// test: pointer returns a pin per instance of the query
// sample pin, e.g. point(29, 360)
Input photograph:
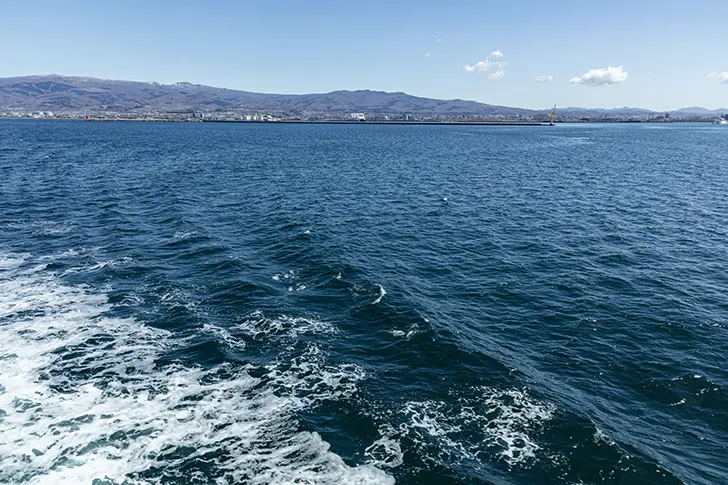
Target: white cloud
point(601, 77)
point(544, 79)
point(485, 65)
point(427, 54)
point(494, 68)
point(722, 77)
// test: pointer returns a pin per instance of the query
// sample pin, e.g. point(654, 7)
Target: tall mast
point(553, 115)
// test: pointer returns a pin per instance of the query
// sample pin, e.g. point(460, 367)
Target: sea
point(211, 303)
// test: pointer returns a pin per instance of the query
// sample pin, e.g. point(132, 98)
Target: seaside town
point(242, 115)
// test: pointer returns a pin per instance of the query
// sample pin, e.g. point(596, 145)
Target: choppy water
point(267, 304)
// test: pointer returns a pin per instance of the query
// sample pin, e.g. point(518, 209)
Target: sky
point(654, 54)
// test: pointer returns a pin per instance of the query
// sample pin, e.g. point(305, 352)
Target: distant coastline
point(188, 119)
point(74, 97)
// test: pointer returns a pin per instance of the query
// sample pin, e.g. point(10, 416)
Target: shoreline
point(345, 122)
point(348, 122)
point(287, 122)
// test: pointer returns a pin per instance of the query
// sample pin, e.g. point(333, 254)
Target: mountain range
point(73, 94)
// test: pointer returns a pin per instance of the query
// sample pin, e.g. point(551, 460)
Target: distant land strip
point(55, 96)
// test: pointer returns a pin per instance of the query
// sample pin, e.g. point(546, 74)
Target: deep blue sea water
point(361, 304)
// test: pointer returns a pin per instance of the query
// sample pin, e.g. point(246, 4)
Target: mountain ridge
point(53, 92)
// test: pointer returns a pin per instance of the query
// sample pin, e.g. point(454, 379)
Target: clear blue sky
point(666, 47)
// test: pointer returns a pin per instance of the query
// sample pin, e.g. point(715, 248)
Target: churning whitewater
point(84, 398)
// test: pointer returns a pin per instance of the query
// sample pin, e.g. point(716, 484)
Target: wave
point(382, 292)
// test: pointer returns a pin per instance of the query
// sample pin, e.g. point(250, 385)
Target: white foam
point(385, 452)
point(224, 335)
point(382, 292)
point(182, 297)
point(41, 228)
point(601, 437)
point(289, 275)
point(413, 330)
point(52, 228)
point(356, 290)
point(184, 234)
point(259, 326)
point(111, 263)
point(85, 399)
point(499, 422)
point(433, 418)
point(512, 415)
point(69, 253)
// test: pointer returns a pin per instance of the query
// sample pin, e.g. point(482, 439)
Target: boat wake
point(84, 397)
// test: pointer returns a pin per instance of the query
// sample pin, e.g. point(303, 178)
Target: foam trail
point(82, 398)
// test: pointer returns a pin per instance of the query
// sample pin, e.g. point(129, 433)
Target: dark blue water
point(272, 304)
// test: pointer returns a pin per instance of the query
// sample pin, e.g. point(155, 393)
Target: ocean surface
point(360, 304)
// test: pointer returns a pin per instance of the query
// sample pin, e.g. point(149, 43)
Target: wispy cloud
point(427, 54)
point(722, 77)
point(492, 65)
point(441, 41)
point(544, 79)
point(601, 77)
